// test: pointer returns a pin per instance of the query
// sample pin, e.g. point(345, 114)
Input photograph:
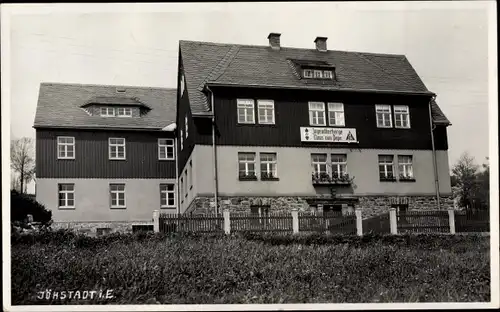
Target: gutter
point(214, 149)
point(434, 161)
point(177, 176)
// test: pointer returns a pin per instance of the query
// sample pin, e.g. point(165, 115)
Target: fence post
point(394, 221)
point(359, 221)
point(295, 220)
point(156, 221)
point(451, 215)
point(227, 221)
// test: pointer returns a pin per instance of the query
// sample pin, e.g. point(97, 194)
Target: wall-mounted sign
point(335, 135)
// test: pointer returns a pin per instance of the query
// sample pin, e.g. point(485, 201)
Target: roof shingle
point(60, 105)
point(249, 65)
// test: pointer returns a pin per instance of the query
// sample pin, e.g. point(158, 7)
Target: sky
point(133, 44)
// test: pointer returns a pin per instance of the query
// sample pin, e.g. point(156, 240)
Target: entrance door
point(329, 209)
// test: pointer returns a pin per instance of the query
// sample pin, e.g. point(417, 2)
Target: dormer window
point(124, 112)
point(308, 73)
point(327, 74)
point(107, 111)
point(318, 74)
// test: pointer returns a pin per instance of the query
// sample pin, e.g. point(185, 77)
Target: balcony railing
point(327, 179)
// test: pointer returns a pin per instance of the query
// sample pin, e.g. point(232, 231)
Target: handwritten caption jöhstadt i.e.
point(50, 294)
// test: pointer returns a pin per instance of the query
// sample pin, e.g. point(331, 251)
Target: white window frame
point(317, 113)
point(117, 147)
point(339, 166)
point(245, 105)
point(114, 194)
point(318, 74)
point(186, 125)
point(405, 166)
point(316, 164)
point(384, 110)
point(66, 146)
point(308, 73)
point(270, 164)
point(403, 111)
point(247, 158)
point(336, 112)
point(182, 83)
point(167, 194)
point(165, 144)
point(107, 109)
point(386, 165)
point(267, 106)
point(65, 192)
point(328, 74)
point(182, 140)
point(124, 111)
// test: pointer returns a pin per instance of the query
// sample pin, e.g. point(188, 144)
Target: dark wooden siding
point(184, 108)
point(92, 159)
point(291, 113)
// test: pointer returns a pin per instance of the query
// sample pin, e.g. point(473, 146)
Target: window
point(401, 116)
point(107, 112)
point(124, 112)
point(384, 119)
point(405, 167)
point(308, 73)
point(339, 165)
point(386, 167)
point(66, 196)
point(182, 84)
point(246, 165)
point(246, 113)
point(167, 195)
point(327, 74)
point(186, 190)
point(182, 189)
point(65, 147)
point(165, 149)
point(182, 139)
point(266, 111)
point(187, 126)
point(117, 194)
point(117, 148)
point(190, 174)
point(319, 164)
point(268, 166)
point(318, 74)
point(336, 114)
point(317, 114)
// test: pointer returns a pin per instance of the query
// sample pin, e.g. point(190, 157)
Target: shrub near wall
point(21, 205)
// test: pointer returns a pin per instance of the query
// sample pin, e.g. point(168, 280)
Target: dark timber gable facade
point(271, 127)
point(105, 155)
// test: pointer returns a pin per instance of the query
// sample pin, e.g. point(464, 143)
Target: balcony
point(327, 179)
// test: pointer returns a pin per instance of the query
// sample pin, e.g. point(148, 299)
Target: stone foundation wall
point(370, 205)
point(91, 227)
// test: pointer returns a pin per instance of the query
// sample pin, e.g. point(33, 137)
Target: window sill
point(269, 179)
point(167, 207)
point(388, 180)
point(166, 159)
point(119, 208)
point(117, 159)
point(386, 127)
point(247, 178)
point(407, 180)
point(66, 208)
point(66, 158)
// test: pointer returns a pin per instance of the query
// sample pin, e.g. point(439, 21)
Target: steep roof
point(61, 105)
point(262, 66)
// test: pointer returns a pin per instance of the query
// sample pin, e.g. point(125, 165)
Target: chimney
point(321, 44)
point(274, 40)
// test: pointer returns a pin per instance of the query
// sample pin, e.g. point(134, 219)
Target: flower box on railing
point(326, 179)
point(406, 179)
point(247, 177)
point(387, 178)
point(268, 176)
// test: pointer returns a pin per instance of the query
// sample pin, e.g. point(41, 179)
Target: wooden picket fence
point(379, 224)
point(334, 223)
point(187, 223)
point(423, 221)
point(472, 221)
point(272, 223)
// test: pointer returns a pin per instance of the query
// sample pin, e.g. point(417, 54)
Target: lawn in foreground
point(241, 270)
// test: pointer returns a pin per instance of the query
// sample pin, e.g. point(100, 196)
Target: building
point(264, 128)
point(105, 155)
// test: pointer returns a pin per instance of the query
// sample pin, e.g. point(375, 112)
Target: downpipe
point(214, 149)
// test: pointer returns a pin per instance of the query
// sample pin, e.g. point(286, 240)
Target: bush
point(21, 205)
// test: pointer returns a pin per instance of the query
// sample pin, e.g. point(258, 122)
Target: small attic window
point(317, 74)
point(107, 111)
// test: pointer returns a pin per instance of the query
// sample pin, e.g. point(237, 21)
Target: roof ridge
point(288, 48)
point(104, 85)
point(382, 69)
point(220, 67)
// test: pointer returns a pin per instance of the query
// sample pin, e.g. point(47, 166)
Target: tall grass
point(256, 269)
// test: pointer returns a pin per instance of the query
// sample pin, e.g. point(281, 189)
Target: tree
point(483, 181)
point(465, 179)
point(22, 160)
